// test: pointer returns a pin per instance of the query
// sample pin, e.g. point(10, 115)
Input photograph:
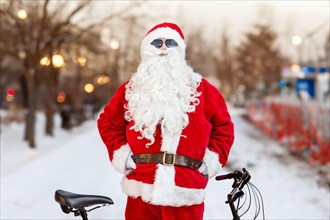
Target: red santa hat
point(165, 30)
point(168, 25)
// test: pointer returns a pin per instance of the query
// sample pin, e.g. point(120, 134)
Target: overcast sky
point(297, 17)
point(289, 18)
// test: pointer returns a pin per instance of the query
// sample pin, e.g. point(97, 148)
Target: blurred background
point(61, 61)
point(68, 57)
point(271, 58)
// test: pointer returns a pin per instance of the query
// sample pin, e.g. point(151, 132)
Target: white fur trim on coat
point(211, 160)
point(119, 159)
point(163, 191)
point(170, 141)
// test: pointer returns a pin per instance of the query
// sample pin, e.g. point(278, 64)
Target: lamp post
point(297, 42)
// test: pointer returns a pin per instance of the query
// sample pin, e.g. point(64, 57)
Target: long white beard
point(162, 91)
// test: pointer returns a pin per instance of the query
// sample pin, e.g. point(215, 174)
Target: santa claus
point(167, 130)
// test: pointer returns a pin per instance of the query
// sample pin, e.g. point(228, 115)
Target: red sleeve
point(112, 124)
point(222, 134)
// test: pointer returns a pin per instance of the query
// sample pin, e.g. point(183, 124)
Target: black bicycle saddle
point(79, 201)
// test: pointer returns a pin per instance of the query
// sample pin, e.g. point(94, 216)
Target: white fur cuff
point(211, 160)
point(120, 157)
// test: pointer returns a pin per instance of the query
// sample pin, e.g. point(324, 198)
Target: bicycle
point(77, 203)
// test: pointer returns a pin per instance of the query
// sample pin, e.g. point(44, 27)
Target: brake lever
point(245, 179)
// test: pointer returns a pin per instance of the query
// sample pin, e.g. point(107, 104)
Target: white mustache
point(152, 51)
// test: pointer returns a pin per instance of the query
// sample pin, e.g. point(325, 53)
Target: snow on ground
point(77, 161)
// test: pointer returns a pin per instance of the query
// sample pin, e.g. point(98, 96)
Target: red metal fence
point(303, 127)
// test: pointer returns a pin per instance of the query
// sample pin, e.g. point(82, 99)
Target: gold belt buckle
point(168, 164)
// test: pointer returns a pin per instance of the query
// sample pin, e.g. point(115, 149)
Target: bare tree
point(39, 30)
point(224, 62)
point(130, 51)
point(199, 54)
point(327, 50)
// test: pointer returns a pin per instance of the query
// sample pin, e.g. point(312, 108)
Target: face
point(163, 44)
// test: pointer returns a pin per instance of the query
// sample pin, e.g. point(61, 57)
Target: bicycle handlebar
point(240, 180)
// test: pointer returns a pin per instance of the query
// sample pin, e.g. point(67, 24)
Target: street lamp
point(61, 97)
point(101, 80)
point(80, 60)
point(89, 87)
point(22, 14)
point(57, 59)
point(297, 42)
point(114, 44)
point(44, 61)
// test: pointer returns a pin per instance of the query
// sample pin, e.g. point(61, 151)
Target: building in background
point(308, 83)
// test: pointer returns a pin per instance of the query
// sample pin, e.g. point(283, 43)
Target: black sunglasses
point(158, 43)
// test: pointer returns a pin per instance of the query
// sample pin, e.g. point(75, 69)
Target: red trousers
point(136, 209)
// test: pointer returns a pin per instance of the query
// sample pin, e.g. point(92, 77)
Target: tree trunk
point(76, 98)
point(52, 83)
point(30, 114)
point(49, 114)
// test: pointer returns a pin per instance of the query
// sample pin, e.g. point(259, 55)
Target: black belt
point(167, 159)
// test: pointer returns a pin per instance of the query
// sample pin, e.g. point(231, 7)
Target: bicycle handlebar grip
point(223, 177)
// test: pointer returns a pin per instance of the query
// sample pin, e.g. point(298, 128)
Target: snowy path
point(77, 161)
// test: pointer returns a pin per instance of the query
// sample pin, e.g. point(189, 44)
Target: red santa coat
point(208, 137)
